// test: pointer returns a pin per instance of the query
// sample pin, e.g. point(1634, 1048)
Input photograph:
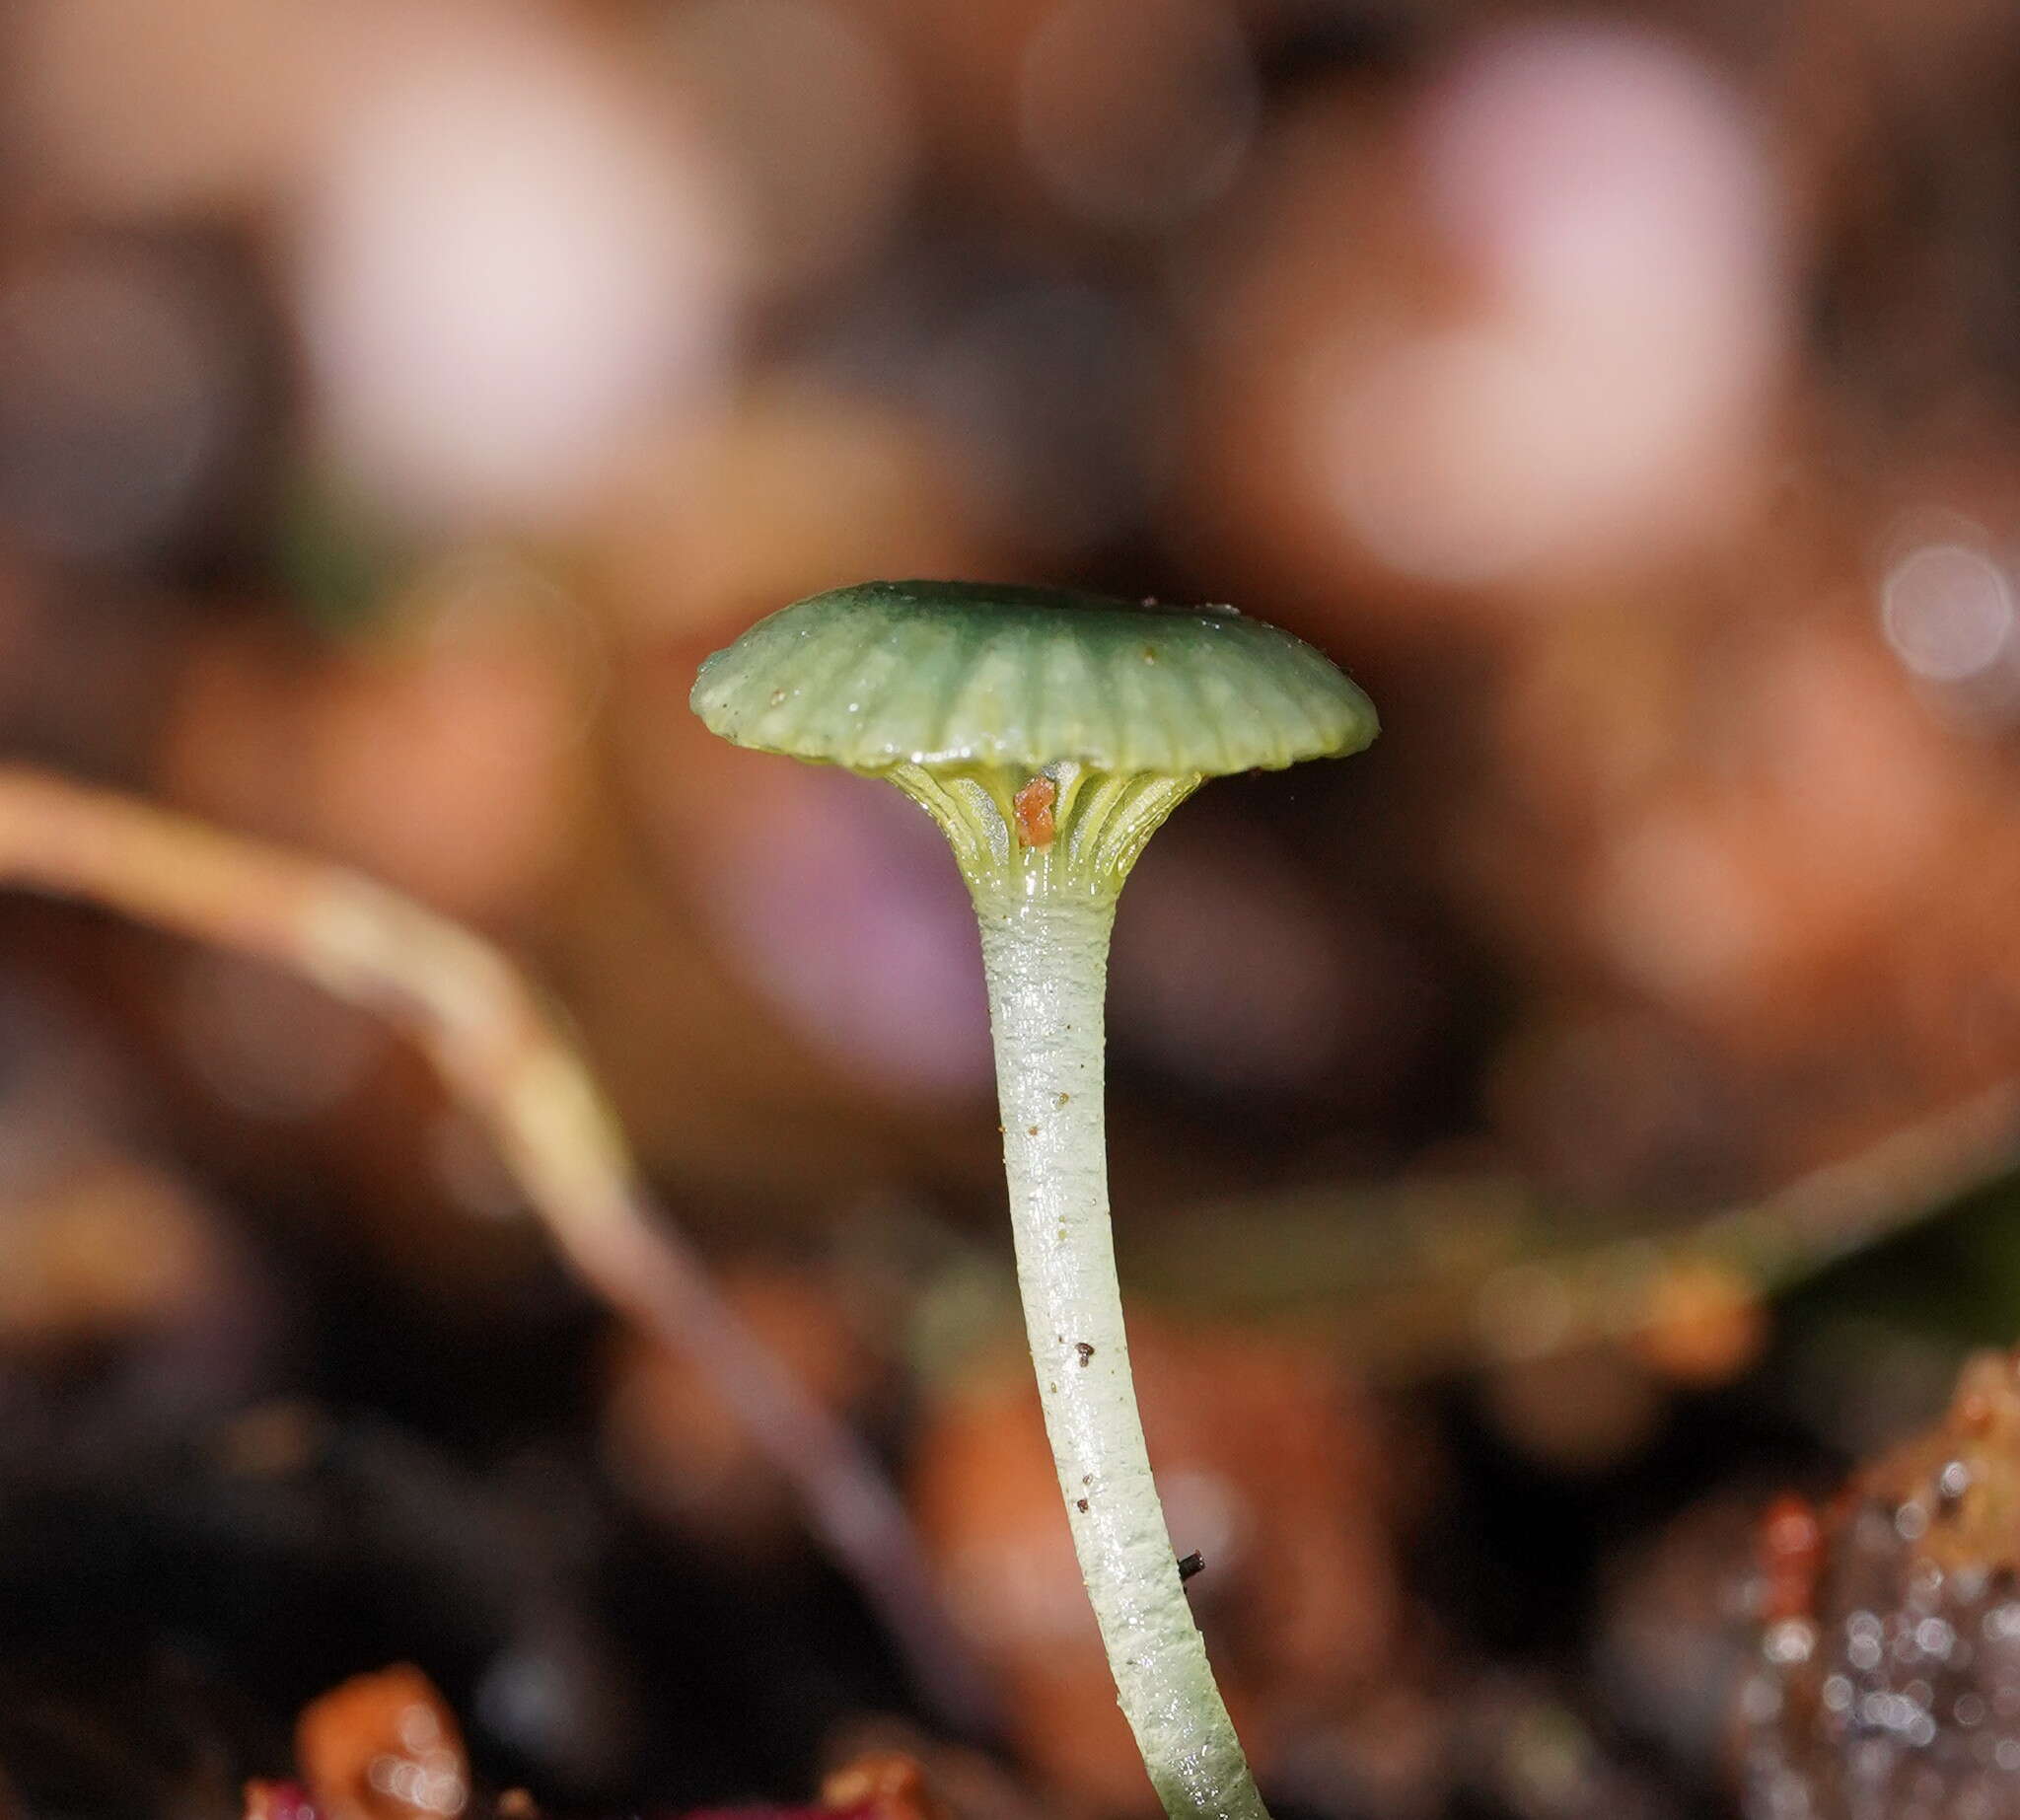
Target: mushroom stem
point(1049, 733)
point(1047, 962)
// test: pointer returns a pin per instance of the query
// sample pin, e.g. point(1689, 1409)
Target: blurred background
point(399, 399)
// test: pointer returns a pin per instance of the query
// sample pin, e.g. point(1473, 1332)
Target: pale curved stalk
point(512, 1065)
point(1047, 962)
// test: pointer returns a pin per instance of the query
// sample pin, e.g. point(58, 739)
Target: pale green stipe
point(1046, 963)
point(1045, 914)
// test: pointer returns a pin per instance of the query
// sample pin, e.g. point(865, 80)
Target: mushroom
point(1049, 733)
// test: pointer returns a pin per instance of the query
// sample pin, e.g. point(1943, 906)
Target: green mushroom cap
point(946, 672)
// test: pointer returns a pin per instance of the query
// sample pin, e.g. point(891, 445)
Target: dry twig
point(508, 1060)
point(1459, 1272)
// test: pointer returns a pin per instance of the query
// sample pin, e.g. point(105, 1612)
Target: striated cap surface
point(930, 673)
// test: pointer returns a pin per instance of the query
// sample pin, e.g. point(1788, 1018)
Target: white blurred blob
point(1137, 112)
point(124, 389)
point(817, 124)
point(507, 270)
point(1610, 208)
point(1589, 170)
point(1947, 610)
point(847, 911)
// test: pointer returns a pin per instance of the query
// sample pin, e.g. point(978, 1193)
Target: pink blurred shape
point(510, 264)
point(842, 905)
point(1612, 217)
